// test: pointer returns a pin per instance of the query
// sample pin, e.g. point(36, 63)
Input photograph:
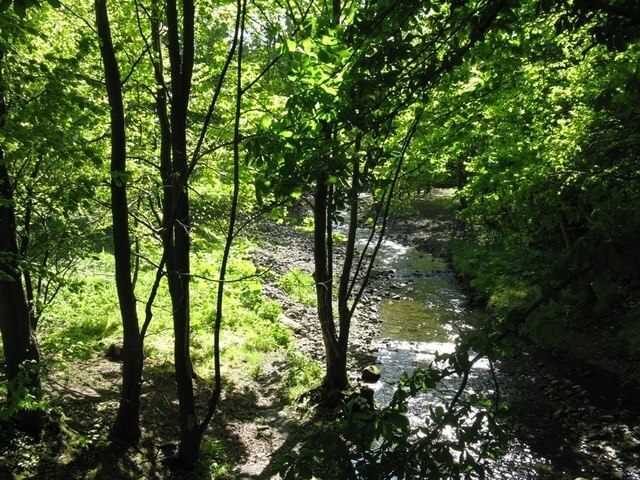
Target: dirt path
point(268, 425)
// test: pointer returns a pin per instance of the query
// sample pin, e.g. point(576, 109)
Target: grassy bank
point(582, 318)
point(263, 371)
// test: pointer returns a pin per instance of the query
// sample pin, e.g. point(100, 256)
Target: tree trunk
point(336, 358)
point(181, 55)
point(344, 310)
point(19, 343)
point(335, 344)
point(127, 424)
point(17, 337)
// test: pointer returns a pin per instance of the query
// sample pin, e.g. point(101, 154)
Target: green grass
point(78, 327)
point(302, 374)
point(300, 286)
point(213, 462)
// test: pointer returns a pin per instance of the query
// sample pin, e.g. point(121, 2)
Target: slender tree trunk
point(336, 359)
point(32, 300)
point(165, 128)
point(344, 310)
point(181, 55)
point(127, 424)
point(335, 345)
point(18, 339)
point(231, 232)
point(461, 175)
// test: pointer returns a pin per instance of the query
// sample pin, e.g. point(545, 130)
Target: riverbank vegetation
point(153, 155)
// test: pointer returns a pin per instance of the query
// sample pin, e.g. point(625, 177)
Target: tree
point(19, 343)
point(173, 109)
point(127, 424)
point(340, 137)
point(20, 348)
point(45, 140)
point(164, 30)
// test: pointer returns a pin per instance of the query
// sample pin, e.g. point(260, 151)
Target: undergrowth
point(76, 330)
point(300, 286)
point(507, 279)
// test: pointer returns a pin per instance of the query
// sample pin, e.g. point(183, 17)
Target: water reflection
point(422, 315)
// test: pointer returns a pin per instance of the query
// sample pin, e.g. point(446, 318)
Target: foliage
point(499, 277)
point(303, 374)
point(530, 108)
point(24, 399)
point(48, 137)
point(21, 6)
point(213, 461)
point(546, 161)
point(299, 285)
point(455, 440)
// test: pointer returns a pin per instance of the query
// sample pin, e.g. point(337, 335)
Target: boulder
point(370, 374)
point(292, 324)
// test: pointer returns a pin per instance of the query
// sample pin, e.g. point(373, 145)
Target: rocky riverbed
point(289, 249)
point(571, 419)
point(284, 248)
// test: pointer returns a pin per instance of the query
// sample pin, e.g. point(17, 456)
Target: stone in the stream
point(370, 374)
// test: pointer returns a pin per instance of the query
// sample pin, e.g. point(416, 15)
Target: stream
point(556, 431)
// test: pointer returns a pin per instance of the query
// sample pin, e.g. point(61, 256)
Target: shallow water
point(422, 314)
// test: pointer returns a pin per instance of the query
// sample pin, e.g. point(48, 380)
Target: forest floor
point(257, 420)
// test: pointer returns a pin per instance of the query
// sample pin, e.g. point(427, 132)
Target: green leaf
point(307, 46)
point(327, 40)
point(329, 90)
point(438, 412)
point(266, 122)
point(20, 7)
